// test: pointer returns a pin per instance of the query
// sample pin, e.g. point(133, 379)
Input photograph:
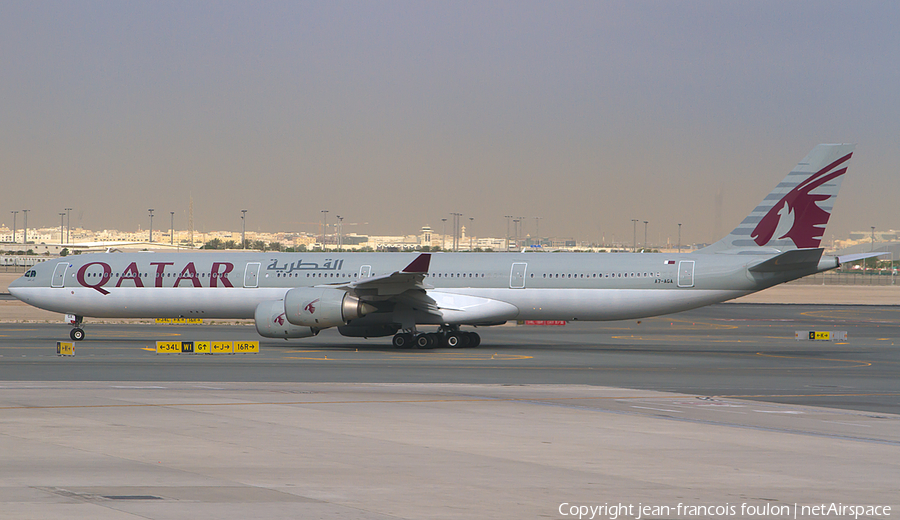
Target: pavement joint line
point(486, 399)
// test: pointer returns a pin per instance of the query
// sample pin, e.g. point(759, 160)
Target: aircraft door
point(365, 271)
point(59, 275)
point(686, 273)
point(517, 275)
point(251, 275)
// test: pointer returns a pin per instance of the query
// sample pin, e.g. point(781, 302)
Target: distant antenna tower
point(191, 221)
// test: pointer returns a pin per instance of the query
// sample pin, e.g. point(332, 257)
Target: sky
point(395, 114)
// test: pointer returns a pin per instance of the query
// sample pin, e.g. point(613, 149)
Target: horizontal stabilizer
point(861, 256)
point(793, 260)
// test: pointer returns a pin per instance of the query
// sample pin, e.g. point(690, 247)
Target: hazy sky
point(397, 113)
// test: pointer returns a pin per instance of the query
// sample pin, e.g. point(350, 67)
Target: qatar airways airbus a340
point(296, 295)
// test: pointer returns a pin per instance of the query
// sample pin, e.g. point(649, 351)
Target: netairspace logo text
point(640, 511)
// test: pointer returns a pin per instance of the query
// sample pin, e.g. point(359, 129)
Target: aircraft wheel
point(454, 340)
point(474, 339)
point(425, 341)
point(403, 340)
point(77, 334)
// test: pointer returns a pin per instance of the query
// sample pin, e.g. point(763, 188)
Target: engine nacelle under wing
point(271, 322)
point(322, 307)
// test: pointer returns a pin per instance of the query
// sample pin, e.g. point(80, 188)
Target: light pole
point(471, 220)
point(25, 227)
point(537, 229)
point(151, 225)
point(68, 224)
point(324, 226)
point(516, 233)
point(679, 238)
point(62, 217)
point(340, 231)
point(243, 228)
point(645, 235)
point(15, 213)
point(443, 232)
point(456, 230)
point(172, 229)
point(507, 232)
point(873, 239)
point(634, 222)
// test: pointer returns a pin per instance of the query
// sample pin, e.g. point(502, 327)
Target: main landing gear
point(447, 336)
point(77, 333)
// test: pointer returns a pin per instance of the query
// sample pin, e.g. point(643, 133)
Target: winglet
point(419, 265)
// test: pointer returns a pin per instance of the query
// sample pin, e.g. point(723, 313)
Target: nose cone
point(16, 286)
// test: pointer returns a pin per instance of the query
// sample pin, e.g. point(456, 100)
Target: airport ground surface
point(742, 350)
point(718, 407)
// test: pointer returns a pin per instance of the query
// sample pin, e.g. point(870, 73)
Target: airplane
point(365, 295)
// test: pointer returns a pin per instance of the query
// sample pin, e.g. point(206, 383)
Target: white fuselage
point(552, 286)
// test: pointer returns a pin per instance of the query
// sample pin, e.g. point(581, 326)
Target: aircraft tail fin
point(794, 214)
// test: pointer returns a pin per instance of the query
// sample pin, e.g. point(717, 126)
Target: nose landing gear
point(77, 333)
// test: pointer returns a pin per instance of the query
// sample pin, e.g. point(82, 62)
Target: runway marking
point(850, 424)
point(657, 409)
point(860, 363)
point(694, 324)
point(126, 334)
point(405, 356)
point(851, 315)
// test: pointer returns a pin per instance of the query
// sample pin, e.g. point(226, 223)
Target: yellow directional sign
point(222, 347)
point(65, 349)
point(821, 335)
point(246, 347)
point(202, 347)
point(168, 347)
point(179, 321)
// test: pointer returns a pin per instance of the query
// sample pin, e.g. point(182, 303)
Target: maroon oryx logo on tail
point(797, 215)
point(310, 308)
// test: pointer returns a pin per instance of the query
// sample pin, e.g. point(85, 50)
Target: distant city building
point(48, 240)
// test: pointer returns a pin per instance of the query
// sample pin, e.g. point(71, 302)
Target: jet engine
point(271, 323)
point(322, 307)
